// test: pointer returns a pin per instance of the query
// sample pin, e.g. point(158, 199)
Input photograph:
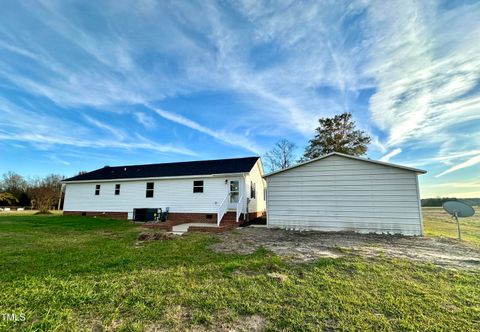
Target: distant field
point(439, 223)
point(71, 273)
point(26, 213)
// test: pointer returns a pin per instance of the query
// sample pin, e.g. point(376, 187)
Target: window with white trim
point(117, 189)
point(97, 189)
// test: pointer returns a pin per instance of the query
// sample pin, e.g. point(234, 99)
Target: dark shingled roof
point(202, 167)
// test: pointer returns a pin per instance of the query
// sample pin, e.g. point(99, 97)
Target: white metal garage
point(339, 192)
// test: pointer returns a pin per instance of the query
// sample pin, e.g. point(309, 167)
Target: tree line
point(438, 201)
point(40, 193)
point(334, 134)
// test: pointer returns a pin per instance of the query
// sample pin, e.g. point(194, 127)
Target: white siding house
point(344, 193)
point(257, 202)
point(200, 191)
point(177, 194)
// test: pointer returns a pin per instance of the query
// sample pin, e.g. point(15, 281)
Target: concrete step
point(182, 228)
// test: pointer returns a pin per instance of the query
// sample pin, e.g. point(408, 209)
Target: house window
point(97, 190)
point(117, 189)
point(149, 192)
point(198, 186)
point(253, 189)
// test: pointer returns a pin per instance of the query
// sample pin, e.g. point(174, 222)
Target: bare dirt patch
point(155, 236)
point(307, 246)
point(243, 324)
point(220, 323)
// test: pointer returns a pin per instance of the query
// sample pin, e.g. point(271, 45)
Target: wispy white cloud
point(391, 154)
point(464, 194)
point(229, 138)
point(470, 162)
point(46, 131)
point(425, 63)
point(117, 133)
point(59, 160)
point(462, 184)
point(144, 119)
point(306, 51)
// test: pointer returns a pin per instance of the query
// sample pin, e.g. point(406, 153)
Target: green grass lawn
point(79, 273)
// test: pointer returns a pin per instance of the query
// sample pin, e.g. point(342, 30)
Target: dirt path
point(306, 246)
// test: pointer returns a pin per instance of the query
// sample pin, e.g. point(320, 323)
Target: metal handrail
point(222, 209)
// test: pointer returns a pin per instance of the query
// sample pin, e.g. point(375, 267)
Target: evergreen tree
point(337, 134)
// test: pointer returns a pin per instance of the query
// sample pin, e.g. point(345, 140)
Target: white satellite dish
point(458, 210)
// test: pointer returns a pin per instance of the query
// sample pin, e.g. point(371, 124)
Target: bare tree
point(16, 185)
point(46, 192)
point(281, 156)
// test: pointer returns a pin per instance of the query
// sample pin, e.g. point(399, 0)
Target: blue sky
point(85, 84)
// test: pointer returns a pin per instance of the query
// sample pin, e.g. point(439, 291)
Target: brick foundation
point(254, 215)
point(113, 215)
point(183, 218)
point(174, 218)
point(177, 218)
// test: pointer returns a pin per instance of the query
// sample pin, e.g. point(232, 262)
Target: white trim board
point(416, 170)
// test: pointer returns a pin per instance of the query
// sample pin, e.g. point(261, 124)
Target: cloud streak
point(391, 154)
point(231, 139)
point(43, 130)
point(469, 163)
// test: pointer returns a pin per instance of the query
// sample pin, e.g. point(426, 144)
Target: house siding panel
point(343, 194)
point(177, 194)
point(257, 205)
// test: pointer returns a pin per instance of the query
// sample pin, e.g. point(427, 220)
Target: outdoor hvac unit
point(144, 214)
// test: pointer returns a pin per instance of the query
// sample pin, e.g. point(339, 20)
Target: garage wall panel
point(342, 194)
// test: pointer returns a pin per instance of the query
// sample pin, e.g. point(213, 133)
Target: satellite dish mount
point(457, 210)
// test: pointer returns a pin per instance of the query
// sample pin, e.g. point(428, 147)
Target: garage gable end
point(339, 193)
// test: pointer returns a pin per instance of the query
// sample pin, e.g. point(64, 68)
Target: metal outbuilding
point(339, 192)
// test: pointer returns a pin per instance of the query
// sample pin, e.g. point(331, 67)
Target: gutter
point(157, 178)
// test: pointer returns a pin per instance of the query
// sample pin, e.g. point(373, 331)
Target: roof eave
point(155, 178)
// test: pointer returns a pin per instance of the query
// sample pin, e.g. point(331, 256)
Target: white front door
point(234, 193)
